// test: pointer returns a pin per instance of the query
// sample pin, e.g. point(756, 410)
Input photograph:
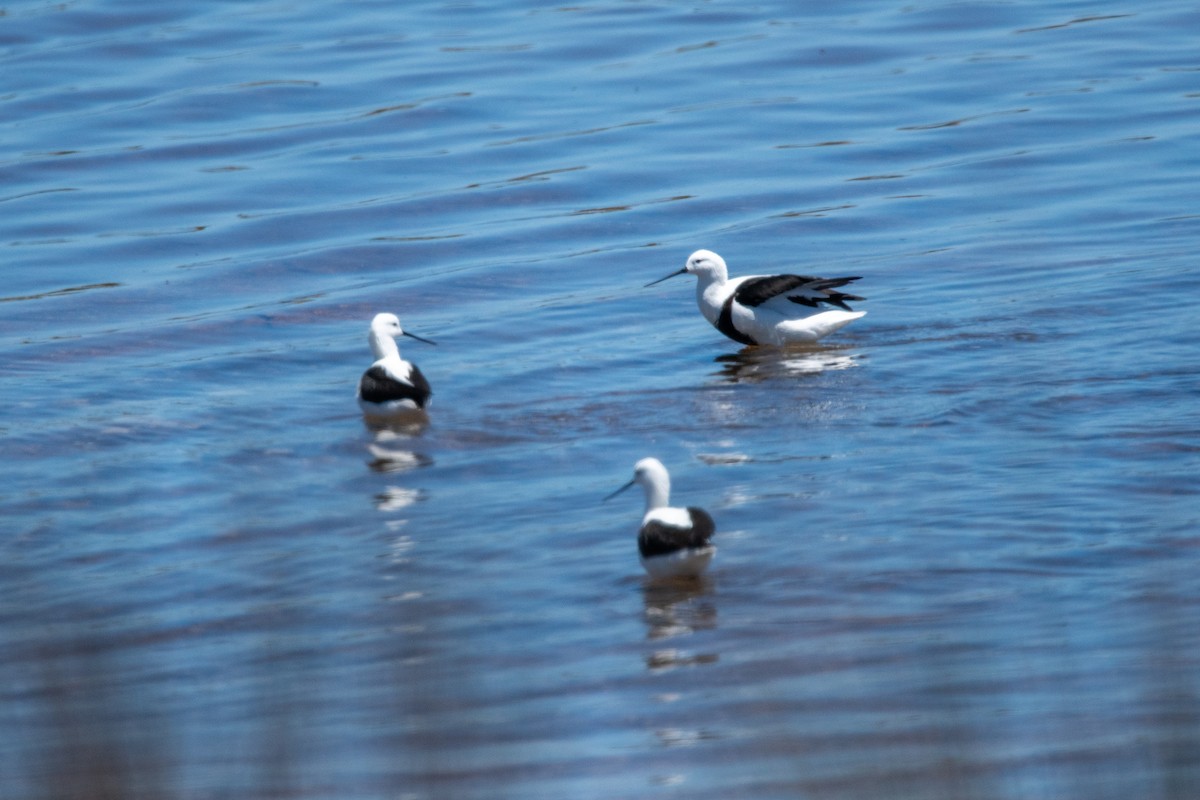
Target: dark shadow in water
point(757, 364)
point(407, 422)
point(94, 729)
point(87, 729)
point(97, 739)
point(1171, 689)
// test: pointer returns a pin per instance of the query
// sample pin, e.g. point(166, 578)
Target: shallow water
point(956, 539)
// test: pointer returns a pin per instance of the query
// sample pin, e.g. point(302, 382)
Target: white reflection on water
point(390, 448)
point(679, 607)
point(395, 498)
point(396, 460)
point(400, 547)
point(754, 364)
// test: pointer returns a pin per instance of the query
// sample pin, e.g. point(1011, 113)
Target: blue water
point(957, 539)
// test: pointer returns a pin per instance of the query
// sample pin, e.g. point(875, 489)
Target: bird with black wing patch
point(768, 309)
point(391, 385)
point(672, 542)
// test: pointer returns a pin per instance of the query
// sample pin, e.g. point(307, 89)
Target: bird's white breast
point(710, 298)
point(683, 564)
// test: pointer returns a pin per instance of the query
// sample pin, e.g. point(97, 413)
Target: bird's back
point(386, 383)
point(662, 534)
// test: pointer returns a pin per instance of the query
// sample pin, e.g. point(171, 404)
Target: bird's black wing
point(420, 386)
point(377, 386)
point(658, 539)
point(802, 289)
point(703, 526)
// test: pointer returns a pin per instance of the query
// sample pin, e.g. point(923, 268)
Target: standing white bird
point(673, 542)
point(765, 309)
point(391, 384)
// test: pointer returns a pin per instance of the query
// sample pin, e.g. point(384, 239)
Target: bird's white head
point(704, 264)
point(649, 470)
point(385, 328)
point(707, 264)
point(651, 475)
point(386, 324)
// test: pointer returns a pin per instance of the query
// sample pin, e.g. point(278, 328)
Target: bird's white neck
point(658, 492)
point(384, 346)
point(711, 292)
point(712, 276)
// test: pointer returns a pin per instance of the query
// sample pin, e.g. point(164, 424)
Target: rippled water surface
point(958, 539)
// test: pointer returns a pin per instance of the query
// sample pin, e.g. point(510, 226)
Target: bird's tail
point(825, 290)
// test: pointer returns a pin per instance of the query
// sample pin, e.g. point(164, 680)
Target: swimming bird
point(391, 384)
point(673, 542)
point(767, 309)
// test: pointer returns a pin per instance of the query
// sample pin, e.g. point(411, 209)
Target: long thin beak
point(618, 491)
point(660, 280)
point(419, 338)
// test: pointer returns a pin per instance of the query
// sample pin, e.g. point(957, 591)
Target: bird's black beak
point(419, 338)
point(660, 280)
point(623, 488)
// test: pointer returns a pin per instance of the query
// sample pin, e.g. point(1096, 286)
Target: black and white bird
point(673, 542)
point(392, 384)
point(767, 309)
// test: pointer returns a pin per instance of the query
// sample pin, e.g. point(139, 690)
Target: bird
point(767, 309)
point(391, 384)
point(672, 542)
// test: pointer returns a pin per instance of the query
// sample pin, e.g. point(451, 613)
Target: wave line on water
point(60, 292)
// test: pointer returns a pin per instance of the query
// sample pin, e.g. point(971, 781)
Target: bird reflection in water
point(391, 459)
point(390, 449)
point(673, 608)
point(391, 454)
point(402, 422)
point(755, 364)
